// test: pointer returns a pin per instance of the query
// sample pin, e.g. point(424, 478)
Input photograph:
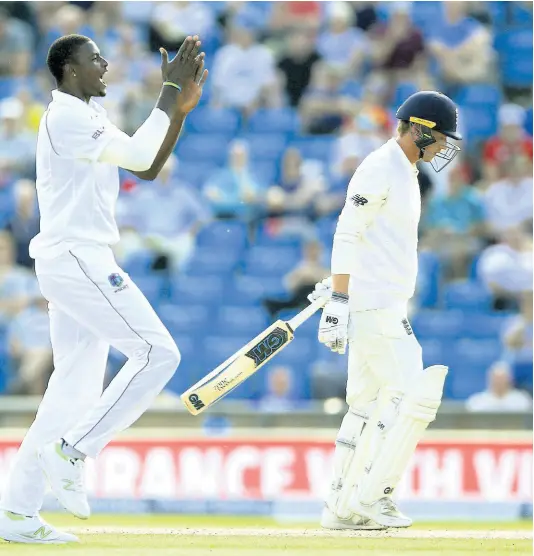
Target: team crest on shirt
point(117, 281)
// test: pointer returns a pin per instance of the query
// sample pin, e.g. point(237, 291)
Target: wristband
point(173, 85)
point(340, 297)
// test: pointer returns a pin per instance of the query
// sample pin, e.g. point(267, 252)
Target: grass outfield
point(166, 535)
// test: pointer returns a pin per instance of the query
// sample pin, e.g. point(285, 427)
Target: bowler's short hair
point(61, 52)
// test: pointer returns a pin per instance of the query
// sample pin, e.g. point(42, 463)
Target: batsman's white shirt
point(376, 236)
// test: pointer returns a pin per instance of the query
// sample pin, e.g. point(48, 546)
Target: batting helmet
point(432, 111)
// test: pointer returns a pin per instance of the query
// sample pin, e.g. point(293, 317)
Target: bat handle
point(305, 314)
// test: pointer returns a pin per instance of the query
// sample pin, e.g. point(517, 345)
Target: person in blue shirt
point(234, 191)
point(453, 224)
point(461, 46)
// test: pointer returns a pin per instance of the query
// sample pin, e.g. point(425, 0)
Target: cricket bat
point(245, 362)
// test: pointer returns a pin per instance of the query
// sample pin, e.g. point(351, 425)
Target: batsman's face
point(439, 146)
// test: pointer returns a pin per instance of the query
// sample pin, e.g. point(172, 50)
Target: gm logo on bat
point(269, 345)
point(196, 401)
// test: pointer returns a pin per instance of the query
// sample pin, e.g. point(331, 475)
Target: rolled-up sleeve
point(367, 192)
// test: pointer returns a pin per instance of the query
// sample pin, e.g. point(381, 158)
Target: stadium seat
point(183, 319)
point(265, 146)
point(403, 91)
point(280, 120)
point(250, 290)
point(223, 235)
point(271, 260)
point(139, 264)
point(428, 280)
point(528, 121)
point(517, 72)
point(480, 95)
point(315, 148)
point(469, 296)
point(198, 289)
point(432, 352)
point(204, 147)
point(151, 286)
point(210, 260)
point(437, 324)
point(196, 173)
point(266, 171)
point(462, 383)
point(478, 122)
point(470, 354)
point(483, 326)
point(352, 88)
point(242, 320)
point(206, 119)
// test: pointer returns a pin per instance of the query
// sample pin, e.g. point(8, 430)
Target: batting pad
point(416, 411)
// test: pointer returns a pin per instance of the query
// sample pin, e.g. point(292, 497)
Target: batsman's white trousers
point(90, 309)
point(383, 353)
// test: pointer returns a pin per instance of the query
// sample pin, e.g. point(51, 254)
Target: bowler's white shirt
point(76, 193)
point(376, 235)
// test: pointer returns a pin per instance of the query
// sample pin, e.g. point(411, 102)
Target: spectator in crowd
point(166, 216)
point(511, 141)
point(509, 201)
point(16, 43)
point(30, 349)
point(234, 191)
point(32, 110)
point(24, 224)
point(278, 396)
point(288, 16)
point(500, 395)
point(461, 46)
point(342, 45)
point(517, 340)
point(296, 63)
point(243, 73)
point(398, 47)
point(300, 280)
point(453, 224)
point(17, 144)
point(299, 188)
point(506, 268)
point(171, 22)
point(365, 16)
point(323, 105)
point(15, 281)
point(254, 13)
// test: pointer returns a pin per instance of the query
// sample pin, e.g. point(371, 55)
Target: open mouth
point(102, 82)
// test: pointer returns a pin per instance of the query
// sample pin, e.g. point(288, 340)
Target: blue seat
point(198, 289)
point(218, 348)
point(271, 260)
point(511, 41)
point(279, 120)
point(466, 295)
point(204, 147)
point(250, 290)
point(316, 148)
point(469, 354)
point(298, 354)
point(483, 326)
point(433, 353)
point(210, 260)
point(517, 69)
point(428, 280)
point(139, 264)
point(352, 88)
point(266, 171)
point(528, 121)
point(223, 235)
point(437, 324)
point(479, 94)
point(242, 320)
point(403, 91)
point(265, 146)
point(462, 383)
point(151, 286)
point(184, 319)
point(478, 122)
point(196, 173)
point(206, 119)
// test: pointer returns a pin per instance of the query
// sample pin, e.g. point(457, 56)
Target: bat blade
point(257, 352)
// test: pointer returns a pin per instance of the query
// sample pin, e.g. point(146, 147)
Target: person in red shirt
point(511, 140)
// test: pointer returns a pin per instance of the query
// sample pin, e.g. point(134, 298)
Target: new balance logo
point(332, 320)
point(98, 133)
point(196, 401)
point(358, 200)
point(407, 326)
point(381, 425)
point(69, 485)
point(41, 533)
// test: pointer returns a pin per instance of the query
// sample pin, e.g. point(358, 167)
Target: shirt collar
point(399, 153)
point(71, 100)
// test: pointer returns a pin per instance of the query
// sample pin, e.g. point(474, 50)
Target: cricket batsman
point(392, 399)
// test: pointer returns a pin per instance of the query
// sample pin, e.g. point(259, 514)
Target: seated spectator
point(500, 395)
point(453, 225)
point(299, 187)
point(166, 216)
point(397, 46)
point(510, 142)
point(171, 22)
point(288, 16)
point(30, 348)
point(24, 224)
point(15, 281)
point(341, 45)
point(16, 44)
point(461, 46)
point(278, 396)
point(300, 281)
point(17, 144)
point(234, 191)
point(243, 74)
point(517, 340)
point(509, 201)
point(323, 105)
point(296, 63)
point(506, 268)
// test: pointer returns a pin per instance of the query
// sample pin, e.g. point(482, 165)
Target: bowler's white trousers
point(90, 309)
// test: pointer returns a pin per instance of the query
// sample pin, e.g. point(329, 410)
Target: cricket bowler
point(391, 397)
point(93, 304)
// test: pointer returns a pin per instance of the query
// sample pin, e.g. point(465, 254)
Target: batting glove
point(322, 290)
point(334, 324)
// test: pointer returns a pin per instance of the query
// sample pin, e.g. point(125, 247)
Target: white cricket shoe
point(329, 520)
point(66, 476)
point(384, 512)
point(31, 530)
